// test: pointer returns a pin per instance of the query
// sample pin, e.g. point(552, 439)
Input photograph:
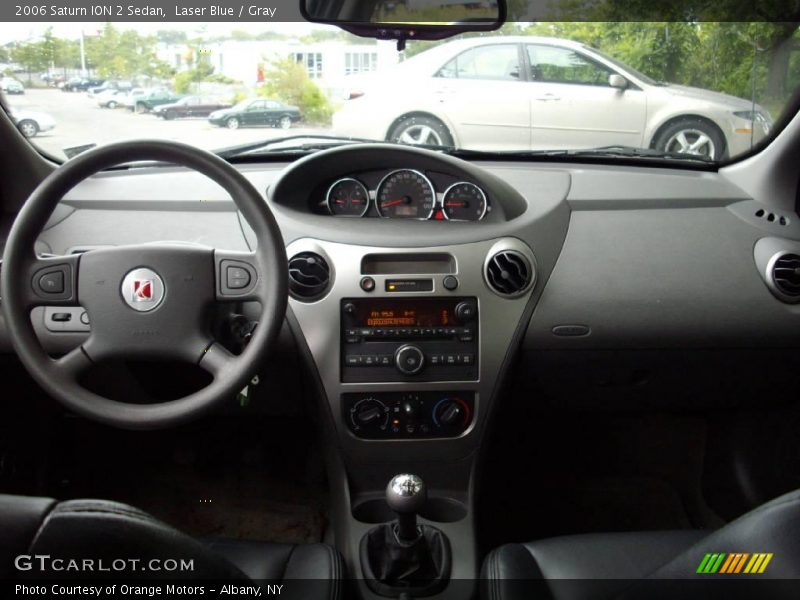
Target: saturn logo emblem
point(142, 289)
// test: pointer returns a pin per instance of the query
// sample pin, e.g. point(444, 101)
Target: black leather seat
point(654, 564)
point(98, 529)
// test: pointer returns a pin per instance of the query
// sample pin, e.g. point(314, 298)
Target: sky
point(13, 32)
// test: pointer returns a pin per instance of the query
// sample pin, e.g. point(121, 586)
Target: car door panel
point(573, 105)
point(481, 92)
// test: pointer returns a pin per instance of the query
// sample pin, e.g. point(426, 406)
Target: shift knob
point(406, 495)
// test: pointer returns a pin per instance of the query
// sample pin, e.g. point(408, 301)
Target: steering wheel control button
point(409, 360)
point(143, 290)
point(84, 318)
point(52, 283)
point(368, 284)
point(450, 283)
point(237, 278)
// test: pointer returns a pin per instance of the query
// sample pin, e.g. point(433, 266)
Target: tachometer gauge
point(348, 198)
point(405, 194)
point(464, 201)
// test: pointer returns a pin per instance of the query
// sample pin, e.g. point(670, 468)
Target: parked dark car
point(190, 106)
point(255, 112)
point(80, 84)
point(153, 99)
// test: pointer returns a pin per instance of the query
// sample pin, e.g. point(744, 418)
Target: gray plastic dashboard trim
point(500, 319)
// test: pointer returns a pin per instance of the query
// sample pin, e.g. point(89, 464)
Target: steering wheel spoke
point(74, 363)
point(217, 360)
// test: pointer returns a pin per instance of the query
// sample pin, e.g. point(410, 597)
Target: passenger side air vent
point(309, 276)
point(786, 275)
point(509, 273)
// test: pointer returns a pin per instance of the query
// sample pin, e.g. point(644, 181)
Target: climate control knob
point(451, 414)
point(369, 414)
point(409, 359)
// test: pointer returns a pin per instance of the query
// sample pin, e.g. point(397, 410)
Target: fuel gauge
point(348, 198)
point(464, 201)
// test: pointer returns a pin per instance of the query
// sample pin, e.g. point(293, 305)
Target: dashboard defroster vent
point(786, 275)
point(309, 276)
point(509, 273)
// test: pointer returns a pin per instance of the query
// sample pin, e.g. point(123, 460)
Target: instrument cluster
point(407, 194)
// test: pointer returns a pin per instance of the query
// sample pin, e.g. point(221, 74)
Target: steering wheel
point(146, 301)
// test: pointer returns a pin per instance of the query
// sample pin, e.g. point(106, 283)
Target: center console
point(409, 345)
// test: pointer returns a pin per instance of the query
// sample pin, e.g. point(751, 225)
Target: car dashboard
point(413, 327)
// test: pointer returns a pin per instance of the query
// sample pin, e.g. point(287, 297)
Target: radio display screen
point(405, 312)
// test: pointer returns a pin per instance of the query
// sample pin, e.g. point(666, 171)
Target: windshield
point(708, 91)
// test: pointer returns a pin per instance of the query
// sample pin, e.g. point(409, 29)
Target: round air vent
point(309, 275)
point(786, 275)
point(509, 273)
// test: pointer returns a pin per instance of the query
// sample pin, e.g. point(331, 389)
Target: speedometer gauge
point(464, 201)
point(405, 194)
point(348, 198)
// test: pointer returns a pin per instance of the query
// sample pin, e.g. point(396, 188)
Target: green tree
point(287, 80)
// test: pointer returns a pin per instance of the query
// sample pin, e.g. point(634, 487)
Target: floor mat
point(227, 479)
point(552, 474)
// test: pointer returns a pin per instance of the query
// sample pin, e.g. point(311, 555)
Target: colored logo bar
point(734, 563)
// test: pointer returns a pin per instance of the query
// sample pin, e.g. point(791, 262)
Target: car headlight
point(756, 116)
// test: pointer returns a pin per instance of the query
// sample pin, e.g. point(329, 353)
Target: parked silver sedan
point(512, 93)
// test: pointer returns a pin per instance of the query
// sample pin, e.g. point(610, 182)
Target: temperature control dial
point(369, 414)
point(451, 414)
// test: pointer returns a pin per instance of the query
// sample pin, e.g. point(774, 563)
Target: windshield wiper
point(317, 142)
point(323, 141)
point(606, 151)
point(634, 152)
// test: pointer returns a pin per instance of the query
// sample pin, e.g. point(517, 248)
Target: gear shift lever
point(405, 556)
point(406, 496)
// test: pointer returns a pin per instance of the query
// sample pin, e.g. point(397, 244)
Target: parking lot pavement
point(80, 121)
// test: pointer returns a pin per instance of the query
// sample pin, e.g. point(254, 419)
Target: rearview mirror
point(618, 81)
point(403, 20)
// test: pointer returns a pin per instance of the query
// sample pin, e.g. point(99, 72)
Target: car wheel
point(232, 123)
point(285, 122)
point(111, 104)
point(692, 137)
point(421, 131)
point(28, 128)
point(141, 108)
point(169, 115)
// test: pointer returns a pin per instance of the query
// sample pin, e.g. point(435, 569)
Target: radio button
point(385, 360)
point(354, 361)
point(451, 359)
point(466, 334)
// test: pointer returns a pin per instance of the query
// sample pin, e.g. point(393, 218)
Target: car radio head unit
point(402, 339)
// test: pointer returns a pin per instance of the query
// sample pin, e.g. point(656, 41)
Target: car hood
point(694, 93)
